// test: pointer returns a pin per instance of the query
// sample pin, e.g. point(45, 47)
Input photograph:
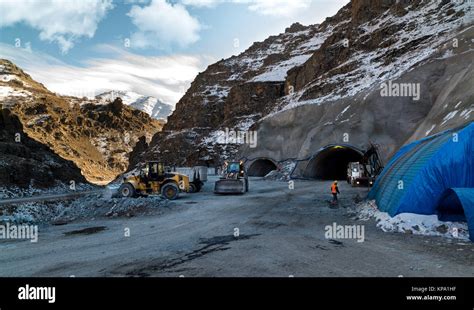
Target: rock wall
point(25, 162)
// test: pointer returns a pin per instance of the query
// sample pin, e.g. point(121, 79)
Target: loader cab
point(233, 168)
point(236, 168)
point(155, 171)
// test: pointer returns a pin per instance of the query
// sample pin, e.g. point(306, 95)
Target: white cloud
point(264, 7)
point(161, 24)
point(136, 1)
point(165, 77)
point(279, 7)
point(202, 3)
point(60, 21)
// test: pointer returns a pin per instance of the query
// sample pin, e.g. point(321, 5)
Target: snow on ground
point(410, 223)
point(92, 205)
point(315, 42)
point(16, 192)
point(33, 211)
point(7, 91)
point(430, 130)
point(8, 77)
point(449, 116)
point(294, 48)
point(38, 119)
point(342, 113)
point(217, 91)
point(300, 54)
point(447, 54)
point(213, 137)
point(246, 122)
point(101, 144)
point(279, 72)
point(467, 112)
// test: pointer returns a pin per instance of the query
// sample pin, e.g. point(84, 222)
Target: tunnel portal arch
point(261, 167)
point(330, 162)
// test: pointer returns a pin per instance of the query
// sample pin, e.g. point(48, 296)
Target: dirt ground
point(271, 231)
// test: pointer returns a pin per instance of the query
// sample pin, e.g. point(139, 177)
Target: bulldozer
point(154, 179)
point(234, 179)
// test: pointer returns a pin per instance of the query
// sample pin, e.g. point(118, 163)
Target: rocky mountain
point(95, 137)
point(232, 93)
point(148, 104)
point(316, 85)
point(26, 162)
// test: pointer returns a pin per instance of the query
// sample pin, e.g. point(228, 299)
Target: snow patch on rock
point(371, 70)
point(7, 91)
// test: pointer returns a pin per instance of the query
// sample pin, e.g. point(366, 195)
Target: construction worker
point(334, 192)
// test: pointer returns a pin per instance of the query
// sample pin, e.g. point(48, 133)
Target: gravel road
point(271, 231)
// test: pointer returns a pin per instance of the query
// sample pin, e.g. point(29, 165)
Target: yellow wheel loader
point(234, 179)
point(154, 180)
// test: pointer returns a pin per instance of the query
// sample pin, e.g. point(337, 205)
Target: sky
point(152, 47)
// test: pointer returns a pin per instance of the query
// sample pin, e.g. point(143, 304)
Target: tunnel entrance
point(261, 167)
point(331, 163)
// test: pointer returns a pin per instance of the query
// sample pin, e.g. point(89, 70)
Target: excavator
point(367, 169)
point(234, 179)
point(154, 179)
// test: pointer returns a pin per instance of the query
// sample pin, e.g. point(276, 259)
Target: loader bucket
point(229, 186)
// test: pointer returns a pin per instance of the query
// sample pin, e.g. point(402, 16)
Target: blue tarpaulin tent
point(457, 204)
point(418, 178)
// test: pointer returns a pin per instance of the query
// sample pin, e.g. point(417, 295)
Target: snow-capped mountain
point(148, 104)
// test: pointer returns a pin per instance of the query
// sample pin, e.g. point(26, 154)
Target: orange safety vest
point(334, 188)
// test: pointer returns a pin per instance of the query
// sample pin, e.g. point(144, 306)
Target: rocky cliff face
point(204, 104)
point(366, 10)
point(25, 162)
point(232, 93)
point(96, 137)
point(380, 41)
point(313, 85)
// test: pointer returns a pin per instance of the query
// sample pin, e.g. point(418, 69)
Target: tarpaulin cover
point(417, 176)
point(458, 204)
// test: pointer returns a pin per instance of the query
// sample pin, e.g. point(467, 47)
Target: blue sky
point(154, 47)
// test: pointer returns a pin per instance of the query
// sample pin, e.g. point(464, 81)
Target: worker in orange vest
point(334, 192)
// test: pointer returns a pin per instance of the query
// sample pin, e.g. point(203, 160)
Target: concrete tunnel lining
point(261, 167)
point(330, 163)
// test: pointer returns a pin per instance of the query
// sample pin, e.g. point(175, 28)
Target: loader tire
point(127, 190)
point(170, 191)
point(193, 188)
